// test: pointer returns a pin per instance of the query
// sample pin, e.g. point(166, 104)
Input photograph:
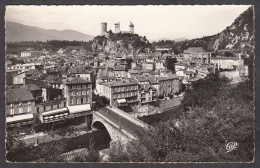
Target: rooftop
point(75, 80)
point(224, 58)
point(18, 94)
point(125, 82)
point(194, 50)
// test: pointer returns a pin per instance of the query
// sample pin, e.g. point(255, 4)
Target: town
point(111, 83)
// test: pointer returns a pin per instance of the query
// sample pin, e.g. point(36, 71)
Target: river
point(99, 138)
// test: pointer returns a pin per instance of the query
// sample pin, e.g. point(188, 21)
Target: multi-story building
point(147, 94)
point(228, 63)
point(120, 71)
point(25, 54)
point(82, 72)
point(20, 107)
point(78, 93)
point(148, 65)
point(197, 55)
point(121, 93)
point(19, 78)
point(99, 84)
point(51, 111)
point(27, 66)
point(169, 85)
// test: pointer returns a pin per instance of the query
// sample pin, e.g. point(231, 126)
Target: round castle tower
point(117, 27)
point(103, 28)
point(131, 26)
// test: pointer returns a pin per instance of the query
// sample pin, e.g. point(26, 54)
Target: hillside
point(121, 43)
point(17, 32)
point(238, 36)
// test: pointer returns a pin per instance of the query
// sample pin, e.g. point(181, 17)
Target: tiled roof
point(119, 68)
point(31, 71)
point(137, 68)
point(121, 83)
point(51, 77)
point(106, 77)
point(18, 94)
point(167, 78)
point(75, 80)
point(32, 87)
point(78, 70)
point(224, 58)
point(133, 71)
point(58, 80)
point(195, 50)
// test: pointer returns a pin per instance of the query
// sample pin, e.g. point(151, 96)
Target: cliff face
point(239, 35)
point(123, 43)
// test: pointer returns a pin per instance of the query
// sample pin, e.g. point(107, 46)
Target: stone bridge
point(120, 125)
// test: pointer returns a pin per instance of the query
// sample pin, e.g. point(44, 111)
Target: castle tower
point(103, 28)
point(117, 27)
point(131, 26)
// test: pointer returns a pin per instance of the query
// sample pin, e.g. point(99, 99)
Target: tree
point(204, 91)
point(203, 132)
point(91, 155)
point(129, 61)
point(170, 63)
point(50, 151)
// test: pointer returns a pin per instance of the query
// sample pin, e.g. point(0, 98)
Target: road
point(122, 122)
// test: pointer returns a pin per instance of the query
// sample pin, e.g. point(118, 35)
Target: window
point(51, 107)
point(58, 105)
point(82, 101)
point(29, 107)
point(20, 108)
point(11, 109)
point(64, 104)
point(71, 101)
point(38, 109)
point(44, 108)
point(77, 101)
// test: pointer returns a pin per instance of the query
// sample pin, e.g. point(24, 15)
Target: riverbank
point(100, 140)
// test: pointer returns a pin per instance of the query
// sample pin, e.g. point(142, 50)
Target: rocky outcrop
point(122, 43)
point(239, 35)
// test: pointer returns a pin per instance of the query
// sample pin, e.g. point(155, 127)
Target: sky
point(153, 21)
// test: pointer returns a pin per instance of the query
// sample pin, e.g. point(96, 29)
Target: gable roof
point(75, 80)
point(32, 87)
point(18, 95)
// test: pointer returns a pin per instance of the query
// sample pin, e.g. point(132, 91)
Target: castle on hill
point(117, 28)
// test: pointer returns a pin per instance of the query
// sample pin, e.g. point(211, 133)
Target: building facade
point(20, 107)
point(169, 85)
point(78, 93)
point(197, 55)
point(121, 93)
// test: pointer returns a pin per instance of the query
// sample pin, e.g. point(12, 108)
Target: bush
point(160, 96)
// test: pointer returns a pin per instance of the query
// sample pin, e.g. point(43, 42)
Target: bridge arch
point(114, 133)
point(100, 126)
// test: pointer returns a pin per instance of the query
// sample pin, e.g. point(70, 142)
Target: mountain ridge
point(17, 32)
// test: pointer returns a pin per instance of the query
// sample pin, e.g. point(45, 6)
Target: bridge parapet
point(115, 131)
point(129, 117)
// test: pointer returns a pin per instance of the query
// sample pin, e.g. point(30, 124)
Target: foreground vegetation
point(218, 113)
